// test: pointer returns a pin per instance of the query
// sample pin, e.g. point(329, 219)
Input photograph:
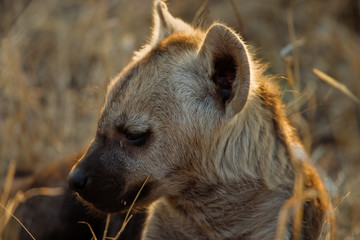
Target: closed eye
point(138, 139)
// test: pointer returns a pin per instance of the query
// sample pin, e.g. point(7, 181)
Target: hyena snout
point(81, 175)
point(93, 187)
point(100, 178)
point(78, 180)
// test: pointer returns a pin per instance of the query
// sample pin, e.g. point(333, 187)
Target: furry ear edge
point(164, 23)
point(230, 66)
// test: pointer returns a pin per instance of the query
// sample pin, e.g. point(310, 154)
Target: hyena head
point(161, 114)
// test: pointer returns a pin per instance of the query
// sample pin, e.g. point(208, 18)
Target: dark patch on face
point(106, 187)
point(95, 178)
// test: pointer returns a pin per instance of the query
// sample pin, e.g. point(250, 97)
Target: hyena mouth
point(109, 208)
point(122, 203)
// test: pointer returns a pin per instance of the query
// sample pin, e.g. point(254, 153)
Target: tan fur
point(219, 150)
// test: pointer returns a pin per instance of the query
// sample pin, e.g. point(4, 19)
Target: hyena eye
point(138, 139)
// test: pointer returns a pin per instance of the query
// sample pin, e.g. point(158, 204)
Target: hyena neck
point(218, 211)
point(258, 142)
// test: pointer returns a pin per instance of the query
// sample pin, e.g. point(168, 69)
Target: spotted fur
point(214, 137)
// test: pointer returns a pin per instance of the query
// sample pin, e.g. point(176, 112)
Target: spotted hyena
point(194, 111)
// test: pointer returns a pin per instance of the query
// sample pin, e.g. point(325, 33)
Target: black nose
point(77, 180)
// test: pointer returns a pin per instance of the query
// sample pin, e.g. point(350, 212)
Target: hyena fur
point(194, 111)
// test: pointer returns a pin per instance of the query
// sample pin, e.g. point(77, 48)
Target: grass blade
point(21, 224)
point(106, 226)
point(91, 230)
point(8, 182)
point(331, 81)
point(127, 218)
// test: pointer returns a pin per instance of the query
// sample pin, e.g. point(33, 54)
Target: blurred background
point(57, 57)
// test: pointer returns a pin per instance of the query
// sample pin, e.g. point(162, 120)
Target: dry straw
point(8, 206)
point(326, 78)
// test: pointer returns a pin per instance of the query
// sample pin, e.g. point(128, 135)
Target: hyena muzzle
point(194, 112)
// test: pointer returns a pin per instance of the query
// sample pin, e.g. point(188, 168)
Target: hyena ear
point(164, 23)
point(227, 61)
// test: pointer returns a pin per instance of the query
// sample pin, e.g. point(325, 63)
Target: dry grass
point(9, 205)
point(56, 58)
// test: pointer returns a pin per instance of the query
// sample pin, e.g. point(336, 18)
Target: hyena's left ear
point(227, 61)
point(164, 23)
